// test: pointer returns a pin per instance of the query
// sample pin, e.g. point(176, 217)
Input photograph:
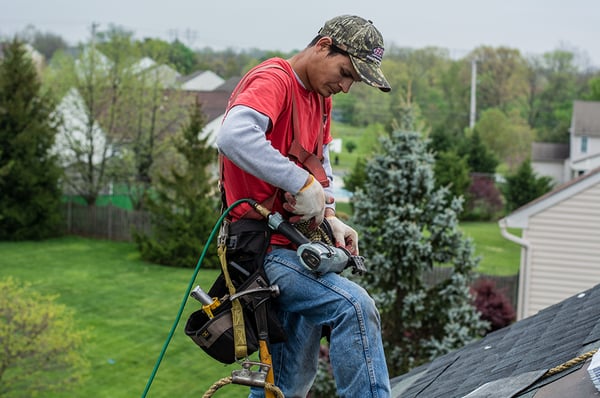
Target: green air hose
point(187, 292)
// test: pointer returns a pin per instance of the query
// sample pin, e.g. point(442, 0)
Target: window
point(584, 144)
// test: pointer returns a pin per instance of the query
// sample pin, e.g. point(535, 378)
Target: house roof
point(549, 152)
point(520, 217)
point(214, 103)
point(515, 361)
point(229, 84)
point(586, 121)
point(202, 80)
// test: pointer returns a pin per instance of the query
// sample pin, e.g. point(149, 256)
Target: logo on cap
point(376, 55)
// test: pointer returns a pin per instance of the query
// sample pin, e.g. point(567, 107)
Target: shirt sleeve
point(242, 139)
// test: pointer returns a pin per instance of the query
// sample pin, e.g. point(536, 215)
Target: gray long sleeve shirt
point(242, 139)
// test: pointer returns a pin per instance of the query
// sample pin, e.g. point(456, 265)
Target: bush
point(39, 344)
point(484, 200)
point(524, 186)
point(493, 304)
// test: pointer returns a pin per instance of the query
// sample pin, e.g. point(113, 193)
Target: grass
point(499, 256)
point(129, 307)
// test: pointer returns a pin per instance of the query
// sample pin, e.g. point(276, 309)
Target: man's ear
point(324, 43)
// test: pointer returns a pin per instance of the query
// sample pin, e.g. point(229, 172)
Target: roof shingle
point(515, 356)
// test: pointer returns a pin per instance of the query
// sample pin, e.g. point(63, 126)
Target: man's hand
point(344, 235)
point(308, 203)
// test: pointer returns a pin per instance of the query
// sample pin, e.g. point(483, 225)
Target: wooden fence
point(508, 285)
point(104, 222)
point(114, 223)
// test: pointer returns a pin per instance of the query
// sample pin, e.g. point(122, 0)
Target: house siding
point(565, 244)
point(558, 171)
point(593, 147)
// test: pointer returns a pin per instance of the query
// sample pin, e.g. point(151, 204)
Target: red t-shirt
point(268, 91)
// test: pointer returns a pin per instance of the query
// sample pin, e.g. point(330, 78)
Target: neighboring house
point(203, 80)
point(167, 76)
point(74, 132)
point(552, 160)
point(563, 162)
point(585, 137)
point(543, 356)
point(75, 140)
point(560, 242)
point(214, 104)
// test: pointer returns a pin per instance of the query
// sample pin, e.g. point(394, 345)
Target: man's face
point(330, 74)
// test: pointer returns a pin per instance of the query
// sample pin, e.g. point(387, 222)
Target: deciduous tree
point(501, 77)
point(508, 136)
point(554, 103)
point(92, 90)
point(117, 111)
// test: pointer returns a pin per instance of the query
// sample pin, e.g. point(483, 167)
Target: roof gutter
point(523, 291)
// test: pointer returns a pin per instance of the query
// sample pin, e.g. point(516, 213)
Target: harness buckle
point(248, 377)
point(223, 233)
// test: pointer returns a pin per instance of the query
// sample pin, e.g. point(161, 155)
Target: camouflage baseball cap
point(363, 42)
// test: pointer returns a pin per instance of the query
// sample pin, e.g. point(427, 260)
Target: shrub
point(39, 344)
point(484, 200)
point(493, 304)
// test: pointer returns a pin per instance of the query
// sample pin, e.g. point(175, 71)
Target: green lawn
point(129, 307)
point(499, 256)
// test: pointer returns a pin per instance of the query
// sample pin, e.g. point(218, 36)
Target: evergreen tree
point(29, 174)
point(452, 171)
point(407, 228)
point(479, 158)
point(524, 186)
point(183, 204)
point(356, 178)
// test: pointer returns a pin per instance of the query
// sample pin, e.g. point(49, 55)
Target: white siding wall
point(565, 257)
point(593, 147)
point(554, 170)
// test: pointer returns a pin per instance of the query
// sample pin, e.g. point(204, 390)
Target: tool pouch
point(215, 335)
point(247, 245)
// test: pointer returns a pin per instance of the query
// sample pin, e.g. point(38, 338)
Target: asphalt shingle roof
point(519, 353)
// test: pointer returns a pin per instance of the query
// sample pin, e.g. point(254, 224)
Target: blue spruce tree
point(408, 227)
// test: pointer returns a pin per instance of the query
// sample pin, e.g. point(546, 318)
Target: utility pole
point(94, 29)
point(473, 92)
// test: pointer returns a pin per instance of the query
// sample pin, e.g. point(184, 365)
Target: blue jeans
point(307, 303)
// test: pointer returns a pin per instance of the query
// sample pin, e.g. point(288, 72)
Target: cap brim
point(370, 74)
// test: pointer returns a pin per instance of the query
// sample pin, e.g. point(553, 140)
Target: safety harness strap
point(311, 161)
point(237, 315)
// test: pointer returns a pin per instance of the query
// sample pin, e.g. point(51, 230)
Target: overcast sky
point(532, 26)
